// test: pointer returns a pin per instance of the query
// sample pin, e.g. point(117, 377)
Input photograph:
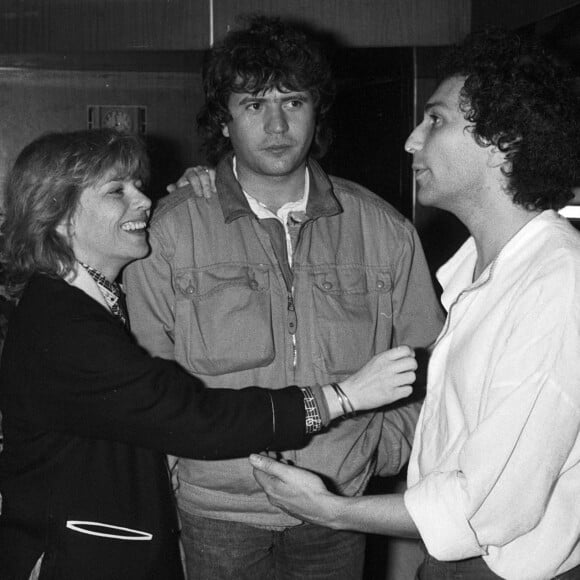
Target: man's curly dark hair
point(268, 54)
point(522, 101)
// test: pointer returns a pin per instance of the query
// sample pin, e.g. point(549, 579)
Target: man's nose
point(276, 121)
point(414, 141)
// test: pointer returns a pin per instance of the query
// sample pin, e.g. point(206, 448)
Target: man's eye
point(296, 104)
point(434, 119)
point(254, 106)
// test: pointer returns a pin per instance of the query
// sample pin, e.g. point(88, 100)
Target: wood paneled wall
point(96, 25)
point(364, 22)
point(515, 13)
point(39, 101)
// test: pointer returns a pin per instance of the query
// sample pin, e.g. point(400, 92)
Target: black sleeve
point(88, 378)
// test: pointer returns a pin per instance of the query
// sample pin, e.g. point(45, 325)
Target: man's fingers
point(200, 178)
point(264, 463)
point(277, 470)
point(206, 177)
point(263, 478)
point(265, 471)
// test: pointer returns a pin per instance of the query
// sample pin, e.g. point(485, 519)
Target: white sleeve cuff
point(437, 508)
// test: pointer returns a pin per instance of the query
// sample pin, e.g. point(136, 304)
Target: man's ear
point(497, 157)
point(225, 131)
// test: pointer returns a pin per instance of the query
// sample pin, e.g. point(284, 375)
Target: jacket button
point(327, 285)
point(380, 284)
point(254, 284)
point(190, 289)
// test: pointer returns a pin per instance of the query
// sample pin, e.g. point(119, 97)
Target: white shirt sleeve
point(511, 466)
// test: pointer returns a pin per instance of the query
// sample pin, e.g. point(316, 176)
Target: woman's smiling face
point(108, 228)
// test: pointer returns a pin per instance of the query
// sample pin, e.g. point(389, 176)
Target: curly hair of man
point(268, 54)
point(521, 100)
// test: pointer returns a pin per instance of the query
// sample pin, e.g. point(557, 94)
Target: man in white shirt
point(494, 476)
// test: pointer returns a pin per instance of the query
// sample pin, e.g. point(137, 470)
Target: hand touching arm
point(201, 179)
point(304, 495)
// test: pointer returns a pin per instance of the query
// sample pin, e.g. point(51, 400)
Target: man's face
point(451, 169)
point(271, 132)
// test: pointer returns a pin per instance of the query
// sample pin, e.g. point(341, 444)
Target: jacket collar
point(82, 280)
point(321, 201)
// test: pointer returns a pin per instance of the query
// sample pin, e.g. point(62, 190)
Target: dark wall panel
point(372, 116)
point(68, 25)
point(37, 101)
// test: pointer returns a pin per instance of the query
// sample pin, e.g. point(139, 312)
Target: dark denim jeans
point(471, 569)
point(223, 550)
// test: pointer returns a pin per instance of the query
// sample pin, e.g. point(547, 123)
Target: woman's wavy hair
point(522, 101)
point(43, 190)
point(268, 54)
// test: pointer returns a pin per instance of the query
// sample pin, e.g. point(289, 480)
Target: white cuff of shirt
point(436, 506)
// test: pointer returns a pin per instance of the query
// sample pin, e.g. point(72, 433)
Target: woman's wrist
point(346, 405)
point(332, 402)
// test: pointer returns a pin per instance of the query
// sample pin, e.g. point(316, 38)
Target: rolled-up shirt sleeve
point(505, 469)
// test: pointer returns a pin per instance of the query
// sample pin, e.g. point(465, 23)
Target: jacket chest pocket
point(223, 319)
point(354, 317)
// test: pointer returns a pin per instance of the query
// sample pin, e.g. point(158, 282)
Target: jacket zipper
point(292, 322)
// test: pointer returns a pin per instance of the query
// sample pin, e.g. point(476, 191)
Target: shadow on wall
point(167, 165)
point(441, 234)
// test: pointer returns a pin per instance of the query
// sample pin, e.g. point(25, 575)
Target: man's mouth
point(419, 171)
point(277, 148)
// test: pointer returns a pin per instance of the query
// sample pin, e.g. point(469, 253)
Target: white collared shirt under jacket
point(495, 467)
